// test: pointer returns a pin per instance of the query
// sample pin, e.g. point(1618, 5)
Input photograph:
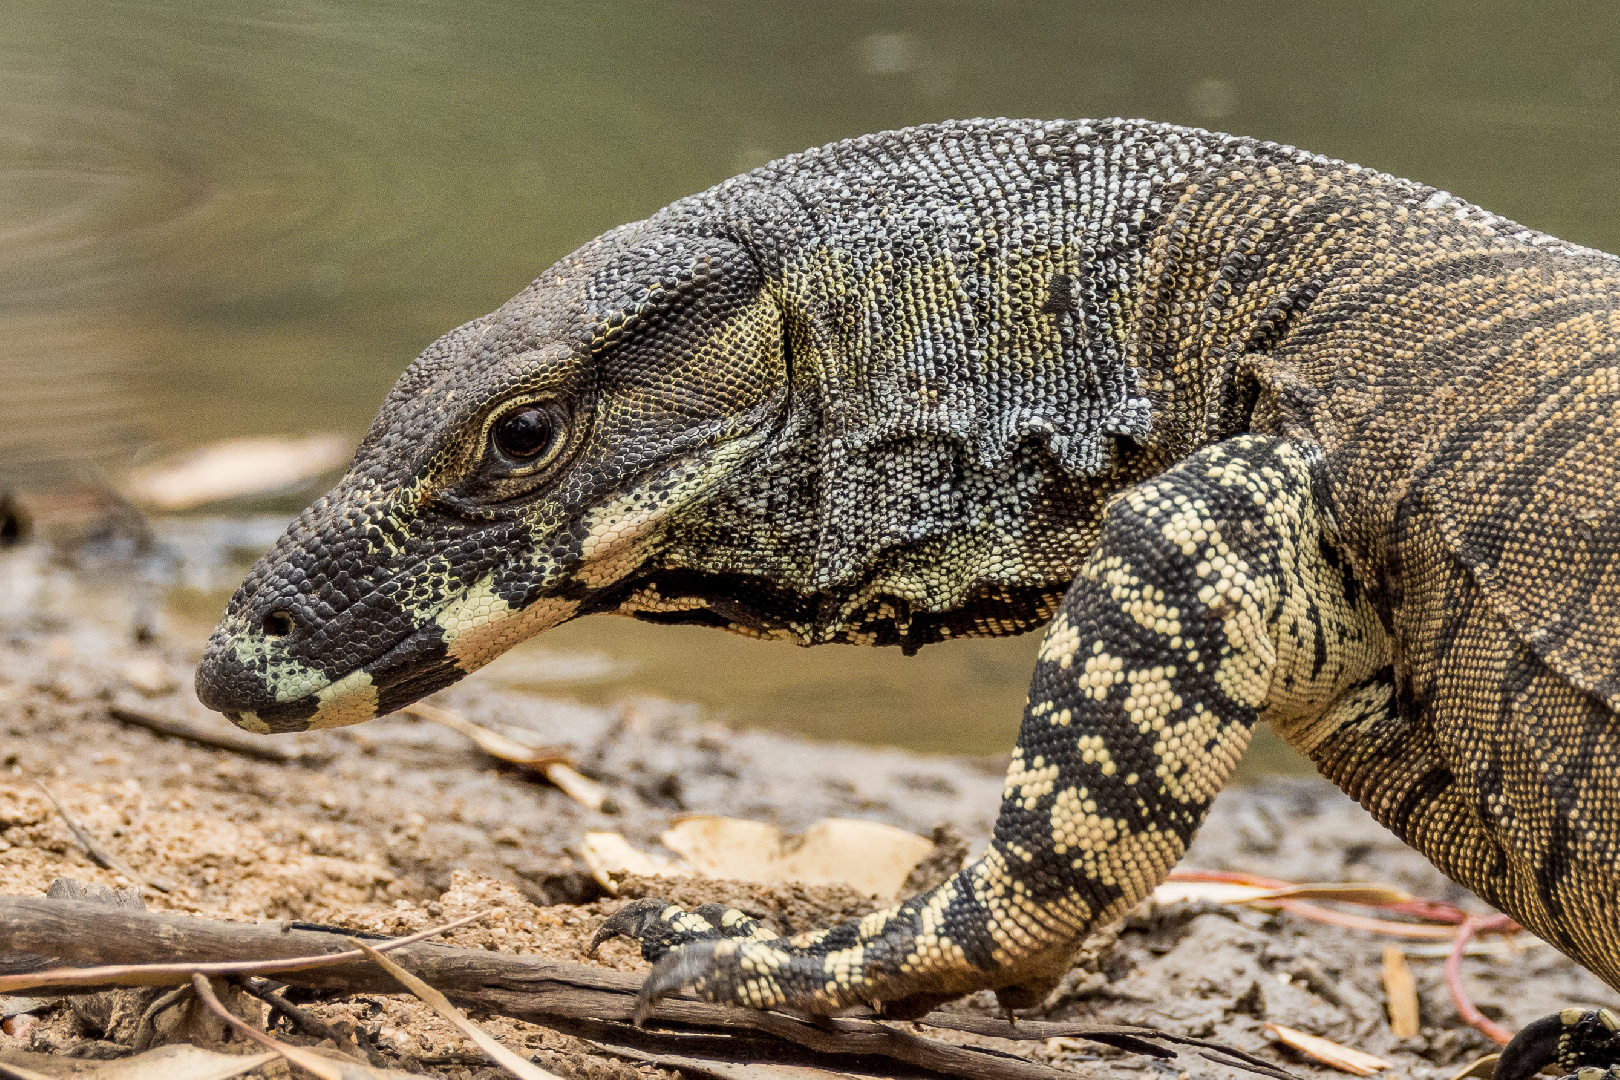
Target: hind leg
point(1477, 753)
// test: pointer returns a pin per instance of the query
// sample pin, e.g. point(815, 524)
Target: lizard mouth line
point(415, 666)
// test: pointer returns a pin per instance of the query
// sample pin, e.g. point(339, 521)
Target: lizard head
point(522, 468)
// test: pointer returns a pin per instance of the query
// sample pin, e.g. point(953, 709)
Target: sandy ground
point(399, 824)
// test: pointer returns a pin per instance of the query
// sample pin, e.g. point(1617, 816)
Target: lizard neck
point(958, 308)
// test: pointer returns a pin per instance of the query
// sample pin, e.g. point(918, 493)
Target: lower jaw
point(357, 697)
point(422, 663)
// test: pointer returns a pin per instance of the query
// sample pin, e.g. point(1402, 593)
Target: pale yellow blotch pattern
point(350, 700)
point(287, 679)
point(1242, 599)
point(846, 967)
point(478, 626)
point(932, 949)
point(1021, 926)
point(1101, 672)
point(1143, 603)
point(1077, 826)
point(249, 721)
point(1061, 642)
point(871, 926)
point(615, 542)
point(1029, 783)
point(760, 961)
point(1094, 751)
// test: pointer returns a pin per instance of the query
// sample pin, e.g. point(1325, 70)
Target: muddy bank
point(399, 824)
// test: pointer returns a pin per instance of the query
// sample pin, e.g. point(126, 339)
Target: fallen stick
point(72, 980)
point(255, 747)
point(92, 849)
point(500, 1055)
point(590, 1002)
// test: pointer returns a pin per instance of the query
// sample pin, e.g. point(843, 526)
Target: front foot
point(775, 975)
point(1584, 1044)
point(659, 926)
point(980, 931)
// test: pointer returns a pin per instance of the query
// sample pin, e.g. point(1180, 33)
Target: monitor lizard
point(1255, 433)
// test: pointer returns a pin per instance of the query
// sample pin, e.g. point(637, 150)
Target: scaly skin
point(1271, 436)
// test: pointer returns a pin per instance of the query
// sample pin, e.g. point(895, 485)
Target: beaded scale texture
point(1262, 435)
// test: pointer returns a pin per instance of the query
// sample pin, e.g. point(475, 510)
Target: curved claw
point(639, 919)
point(661, 926)
point(1575, 1040)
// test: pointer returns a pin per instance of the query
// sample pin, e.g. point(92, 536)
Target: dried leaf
point(1220, 892)
point(511, 1062)
point(1230, 877)
point(176, 1062)
point(1226, 892)
point(1329, 1052)
point(1484, 1068)
point(551, 761)
point(865, 855)
point(234, 468)
point(175, 973)
point(609, 853)
point(180, 1062)
point(1401, 989)
point(1346, 892)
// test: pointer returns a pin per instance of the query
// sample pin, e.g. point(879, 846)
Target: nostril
point(278, 623)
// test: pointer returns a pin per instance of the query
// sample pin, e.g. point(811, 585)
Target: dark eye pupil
point(523, 434)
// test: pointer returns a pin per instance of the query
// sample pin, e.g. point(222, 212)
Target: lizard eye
point(524, 433)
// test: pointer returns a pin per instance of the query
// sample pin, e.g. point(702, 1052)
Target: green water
point(233, 218)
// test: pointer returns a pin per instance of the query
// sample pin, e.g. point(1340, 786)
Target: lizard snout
point(239, 686)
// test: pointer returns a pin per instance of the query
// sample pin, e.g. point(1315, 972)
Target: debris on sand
point(867, 856)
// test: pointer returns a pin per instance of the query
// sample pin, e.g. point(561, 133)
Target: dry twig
point(248, 746)
point(440, 1004)
point(551, 762)
point(167, 974)
point(323, 1067)
point(1401, 990)
point(97, 856)
point(591, 1003)
point(303, 1020)
point(146, 1026)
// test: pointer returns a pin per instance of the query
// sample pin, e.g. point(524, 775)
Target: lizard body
point(1260, 433)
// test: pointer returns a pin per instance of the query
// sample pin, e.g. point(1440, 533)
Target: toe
point(1577, 1041)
